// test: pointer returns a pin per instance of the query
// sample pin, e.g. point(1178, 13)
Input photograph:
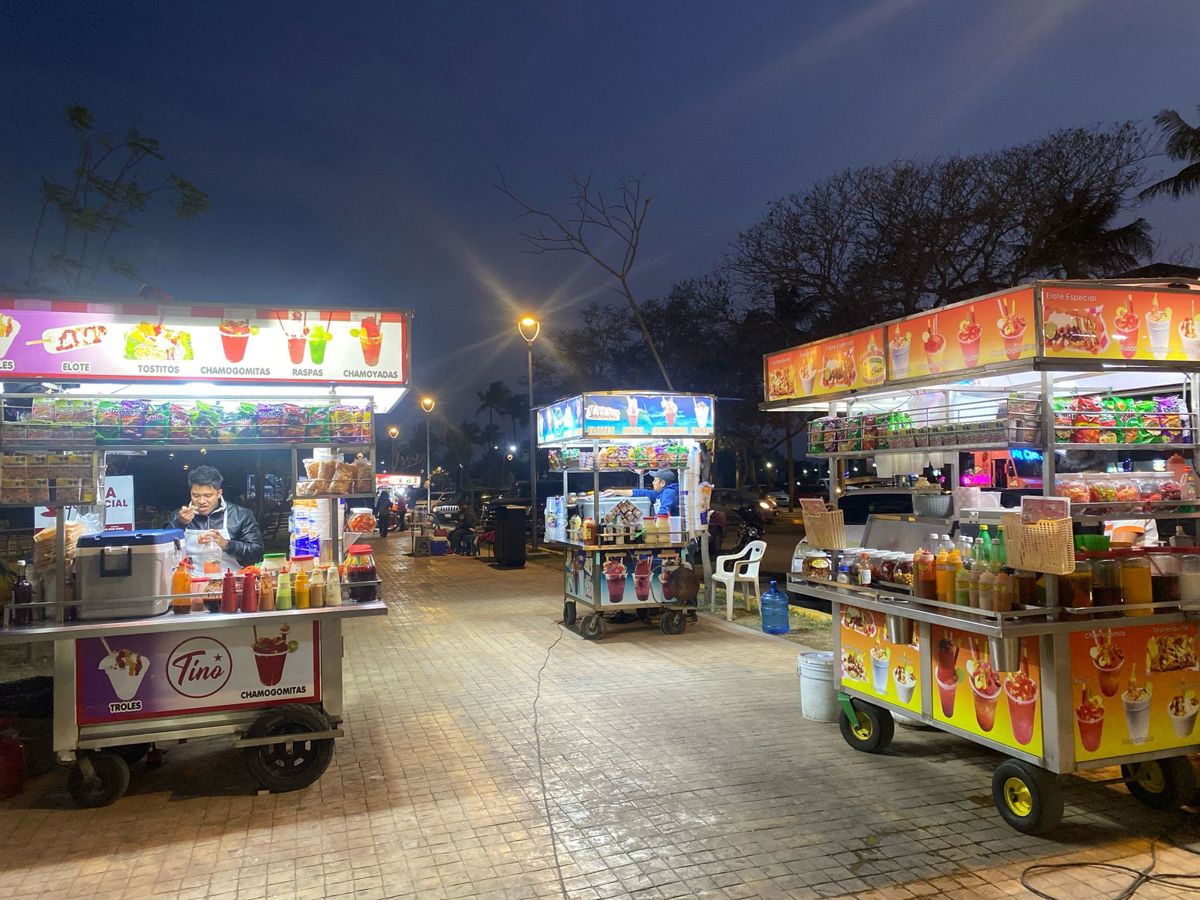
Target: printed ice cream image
point(808, 375)
point(126, 669)
point(670, 411)
point(270, 655)
point(1012, 329)
point(881, 658)
point(8, 331)
point(1108, 659)
point(898, 352)
point(614, 574)
point(935, 347)
point(235, 335)
point(641, 579)
point(985, 686)
point(906, 681)
point(970, 334)
point(1136, 699)
point(1189, 336)
point(946, 674)
point(1158, 325)
point(701, 415)
point(1182, 712)
point(852, 666)
point(1089, 715)
point(370, 337)
point(1022, 694)
point(1126, 325)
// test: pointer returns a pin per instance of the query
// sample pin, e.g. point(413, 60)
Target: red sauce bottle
point(229, 594)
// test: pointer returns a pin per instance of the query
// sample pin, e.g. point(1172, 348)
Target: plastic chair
point(742, 569)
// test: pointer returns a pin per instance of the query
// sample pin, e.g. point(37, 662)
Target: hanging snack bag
point(245, 419)
point(133, 419)
point(316, 427)
point(158, 422)
point(205, 420)
point(345, 423)
point(292, 426)
point(269, 419)
point(179, 423)
point(1171, 411)
point(1064, 420)
point(108, 420)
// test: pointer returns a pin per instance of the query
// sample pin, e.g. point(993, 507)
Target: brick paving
point(675, 767)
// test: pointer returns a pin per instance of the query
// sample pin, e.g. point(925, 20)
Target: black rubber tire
point(112, 781)
point(1027, 797)
point(875, 729)
point(673, 621)
point(592, 627)
point(569, 613)
point(131, 753)
point(1164, 784)
point(276, 768)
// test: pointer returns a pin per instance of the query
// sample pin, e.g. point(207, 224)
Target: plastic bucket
point(818, 701)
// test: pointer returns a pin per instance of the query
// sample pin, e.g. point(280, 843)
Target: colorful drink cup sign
point(1120, 323)
point(835, 366)
point(647, 415)
point(874, 665)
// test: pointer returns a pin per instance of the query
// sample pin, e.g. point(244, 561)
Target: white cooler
point(126, 574)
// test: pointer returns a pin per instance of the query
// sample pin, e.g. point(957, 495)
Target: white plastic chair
point(742, 569)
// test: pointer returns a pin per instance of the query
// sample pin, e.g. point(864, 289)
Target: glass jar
point(1106, 584)
point(816, 565)
point(1189, 580)
point(887, 567)
point(1164, 578)
point(1136, 585)
point(904, 570)
point(360, 574)
point(1024, 589)
point(877, 560)
point(1075, 590)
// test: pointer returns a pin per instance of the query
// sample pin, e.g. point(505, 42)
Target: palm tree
point(1183, 144)
point(491, 437)
point(518, 411)
point(495, 399)
point(460, 447)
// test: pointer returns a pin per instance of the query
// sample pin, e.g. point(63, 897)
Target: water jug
point(774, 610)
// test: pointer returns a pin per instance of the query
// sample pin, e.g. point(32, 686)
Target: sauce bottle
point(181, 588)
point(266, 591)
point(943, 576)
point(250, 591)
point(333, 588)
point(301, 591)
point(229, 594)
point(316, 588)
point(283, 593)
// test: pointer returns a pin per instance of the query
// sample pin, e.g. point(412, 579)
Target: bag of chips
point(269, 419)
point(205, 420)
point(316, 426)
point(133, 419)
point(108, 420)
point(292, 427)
point(158, 422)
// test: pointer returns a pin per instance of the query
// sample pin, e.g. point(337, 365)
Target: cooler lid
point(145, 537)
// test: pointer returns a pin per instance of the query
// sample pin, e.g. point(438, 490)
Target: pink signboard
point(140, 676)
point(130, 342)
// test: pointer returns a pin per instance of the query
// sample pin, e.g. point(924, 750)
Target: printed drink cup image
point(370, 338)
point(1126, 323)
point(1189, 336)
point(641, 579)
point(702, 414)
point(808, 377)
point(946, 691)
point(670, 410)
point(1136, 699)
point(970, 333)
point(1021, 691)
point(235, 334)
point(1089, 715)
point(669, 565)
point(1108, 659)
point(1012, 329)
point(317, 340)
point(1182, 713)
point(1158, 325)
point(898, 351)
point(126, 669)
point(906, 682)
point(985, 686)
point(935, 349)
point(270, 654)
point(881, 658)
point(296, 347)
point(632, 411)
point(614, 574)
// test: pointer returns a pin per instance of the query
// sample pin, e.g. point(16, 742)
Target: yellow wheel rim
point(863, 729)
point(1150, 777)
point(1018, 797)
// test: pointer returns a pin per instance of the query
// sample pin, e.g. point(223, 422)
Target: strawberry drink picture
point(641, 579)
point(1109, 659)
point(270, 655)
point(1012, 329)
point(1126, 325)
point(969, 335)
point(296, 333)
point(370, 338)
point(1022, 693)
point(235, 334)
point(1089, 715)
point(668, 562)
point(935, 347)
point(614, 574)
point(946, 674)
point(985, 685)
point(670, 411)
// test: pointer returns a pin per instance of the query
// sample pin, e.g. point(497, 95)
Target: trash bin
point(510, 537)
point(817, 698)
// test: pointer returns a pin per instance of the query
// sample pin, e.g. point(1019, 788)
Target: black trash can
point(510, 537)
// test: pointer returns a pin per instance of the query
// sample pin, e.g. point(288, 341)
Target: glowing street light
point(529, 328)
point(427, 404)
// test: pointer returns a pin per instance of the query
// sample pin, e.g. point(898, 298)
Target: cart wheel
point(108, 780)
point(131, 753)
point(288, 766)
point(592, 627)
point(873, 731)
point(673, 621)
point(1161, 783)
point(568, 613)
point(1029, 798)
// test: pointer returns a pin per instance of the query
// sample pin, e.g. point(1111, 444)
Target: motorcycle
point(752, 526)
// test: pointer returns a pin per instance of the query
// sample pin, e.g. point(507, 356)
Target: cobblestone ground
point(675, 767)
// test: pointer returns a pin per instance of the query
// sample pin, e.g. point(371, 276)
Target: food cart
point(617, 554)
point(138, 667)
point(1093, 673)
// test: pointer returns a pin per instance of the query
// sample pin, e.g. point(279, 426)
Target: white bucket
point(818, 701)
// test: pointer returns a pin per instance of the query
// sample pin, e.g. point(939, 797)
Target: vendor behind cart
point(664, 493)
point(209, 519)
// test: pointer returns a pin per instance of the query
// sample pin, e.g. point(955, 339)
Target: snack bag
point(292, 427)
point(158, 422)
point(43, 409)
point(179, 423)
point(316, 427)
point(244, 420)
point(227, 427)
point(345, 423)
point(108, 420)
point(1064, 420)
point(1171, 409)
point(270, 420)
point(133, 419)
point(205, 420)
point(1086, 421)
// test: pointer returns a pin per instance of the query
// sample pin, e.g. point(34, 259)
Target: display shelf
point(1121, 447)
point(941, 448)
point(614, 548)
point(43, 446)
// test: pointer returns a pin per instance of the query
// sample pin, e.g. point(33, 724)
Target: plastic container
point(1136, 584)
point(1164, 578)
point(274, 563)
point(1106, 584)
point(774, 606)
point(818, 700)
point(360, 567)
point(1189, 581)
point(1075, 590)
point(302, 563)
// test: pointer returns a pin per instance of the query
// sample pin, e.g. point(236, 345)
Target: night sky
point(348, 149)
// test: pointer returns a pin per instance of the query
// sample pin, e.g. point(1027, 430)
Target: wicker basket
point(826, 530)
point(1047, 546)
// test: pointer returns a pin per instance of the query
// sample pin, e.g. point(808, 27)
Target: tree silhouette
point(1183, 145)
point(495, 399)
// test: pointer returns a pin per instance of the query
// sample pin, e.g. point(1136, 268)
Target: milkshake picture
point(1182, 713)
point(906, 682)
point(808, 376)
point(1089, 716)
point(1126, 324)
point(641, 579)
point(270, 655)
point(985, 686)
point(235, 334)
point(881, 658)
point(125, 669)
point(632, 411)
point(1189, 336)
point(1109, 659)
point(970, 333)
point(898, 353)
point(614, 574)
point(1158, 325)
point(1022, 694)
point(670, 410)
point(701, 415)
point(1012, 329)
point(1136, 699)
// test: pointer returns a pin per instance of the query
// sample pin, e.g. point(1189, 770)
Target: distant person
point(464, 530)
point(401, 513)
point(383, 512)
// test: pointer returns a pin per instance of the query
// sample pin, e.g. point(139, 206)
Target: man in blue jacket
point(664, 492)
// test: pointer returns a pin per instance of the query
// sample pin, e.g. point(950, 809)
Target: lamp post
point(427, 404)
point(393, 432)
point(529, 329)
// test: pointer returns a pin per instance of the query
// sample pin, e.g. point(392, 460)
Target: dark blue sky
point(348, 148)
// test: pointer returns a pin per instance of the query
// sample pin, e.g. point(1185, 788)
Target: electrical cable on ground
point(537, 743)
point(1181, 881)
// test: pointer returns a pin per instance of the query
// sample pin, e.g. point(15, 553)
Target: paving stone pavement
point(674, 766)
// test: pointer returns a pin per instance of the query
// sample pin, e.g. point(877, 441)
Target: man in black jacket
point(209, 519)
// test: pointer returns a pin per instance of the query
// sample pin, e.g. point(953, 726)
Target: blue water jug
point(774, 610)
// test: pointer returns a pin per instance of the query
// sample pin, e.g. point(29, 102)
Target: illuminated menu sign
point(648, 415)
point(561, 421)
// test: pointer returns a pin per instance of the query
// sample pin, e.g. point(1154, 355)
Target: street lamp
point(427, 404)
point(393, 432)
point(529, 328)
